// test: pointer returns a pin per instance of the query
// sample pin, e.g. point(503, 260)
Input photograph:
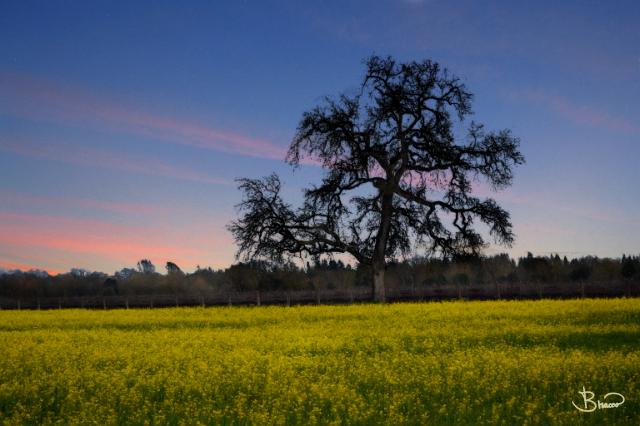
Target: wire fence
point(334, 296)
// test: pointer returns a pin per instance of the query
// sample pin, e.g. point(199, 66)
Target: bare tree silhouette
point(397, 178)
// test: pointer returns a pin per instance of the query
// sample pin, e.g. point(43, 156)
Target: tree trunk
point(378, 284)
point(379, 251)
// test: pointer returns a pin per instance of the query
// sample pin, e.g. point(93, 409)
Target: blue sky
point(124, 124)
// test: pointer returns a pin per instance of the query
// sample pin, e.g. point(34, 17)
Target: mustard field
point(504, 362)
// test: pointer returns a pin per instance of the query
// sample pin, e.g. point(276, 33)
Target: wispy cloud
point(542, 201)
point(94, 157)
point(14, 198)
point(579, 114)
point(38, 99)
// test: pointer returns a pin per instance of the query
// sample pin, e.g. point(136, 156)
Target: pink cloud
point(93, 157)
point(580, 114)
point(39, 99)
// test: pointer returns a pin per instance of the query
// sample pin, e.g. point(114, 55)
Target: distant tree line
point(322, 275)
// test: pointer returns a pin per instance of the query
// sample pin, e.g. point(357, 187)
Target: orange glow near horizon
point(119, 245)
point(8, 265)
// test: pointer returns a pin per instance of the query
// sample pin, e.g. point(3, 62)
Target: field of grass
point(431, 363)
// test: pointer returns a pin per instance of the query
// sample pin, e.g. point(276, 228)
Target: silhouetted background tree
point(172, 268)
point(496, 272)
point(146, 267)
point(397, 179)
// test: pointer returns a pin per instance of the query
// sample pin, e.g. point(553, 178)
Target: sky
point(123, 125)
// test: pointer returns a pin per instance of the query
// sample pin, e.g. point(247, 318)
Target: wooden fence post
point(126, 303)
point(288, 299)
point(18, 304)
point(59, 303)
point(177, 302)
point(202, 301)
point(258, 297)
point(38, 303)
point(104, 303)
point(151, 302)
point(229, 301)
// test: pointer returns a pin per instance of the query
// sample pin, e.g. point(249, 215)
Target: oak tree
point(397, 176)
